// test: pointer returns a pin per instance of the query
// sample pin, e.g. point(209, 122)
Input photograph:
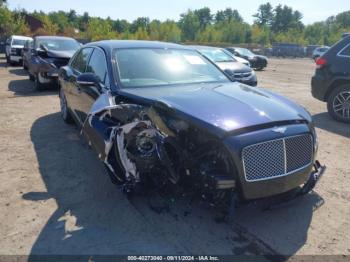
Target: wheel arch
point(335, 84)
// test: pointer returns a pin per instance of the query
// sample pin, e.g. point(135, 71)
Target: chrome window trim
point(285, 159)
point(345, 47)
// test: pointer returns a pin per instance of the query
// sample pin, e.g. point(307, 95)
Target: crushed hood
point(60, 54)
point(228, 106)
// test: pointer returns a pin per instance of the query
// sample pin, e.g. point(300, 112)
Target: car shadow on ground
point(326, 122)
point(94, 217)
point(3, 63)
point(24, 87)
point(18, 71)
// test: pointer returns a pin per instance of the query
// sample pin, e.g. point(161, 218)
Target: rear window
point(345, 51)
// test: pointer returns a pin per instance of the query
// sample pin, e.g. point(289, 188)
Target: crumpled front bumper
point(314, 177)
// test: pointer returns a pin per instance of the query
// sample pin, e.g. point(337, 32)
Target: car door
point(72, 90)
point(88, 95)
point(98, 66)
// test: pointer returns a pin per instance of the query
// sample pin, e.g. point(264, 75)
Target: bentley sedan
point(161, 114)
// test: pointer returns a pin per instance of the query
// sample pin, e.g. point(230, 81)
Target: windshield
point(58, 44)
point(18, 42)
point(244, 51)
point(216, 55)
point(160, 67)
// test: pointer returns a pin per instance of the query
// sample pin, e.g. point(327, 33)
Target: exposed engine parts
point(145, 145)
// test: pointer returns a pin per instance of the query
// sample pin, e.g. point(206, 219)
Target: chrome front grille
point(277, 158)
point(242, 75)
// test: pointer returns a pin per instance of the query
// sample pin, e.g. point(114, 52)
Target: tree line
point(279, 23)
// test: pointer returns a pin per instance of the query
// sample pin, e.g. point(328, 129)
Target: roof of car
point(52, 37)
point(203, 47)
point(21, 37)
point(110, 44)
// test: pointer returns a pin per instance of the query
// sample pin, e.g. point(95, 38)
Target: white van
point(14, 48)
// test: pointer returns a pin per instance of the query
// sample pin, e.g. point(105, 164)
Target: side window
point(346, 51)
point(81, 59)
point(98, 66)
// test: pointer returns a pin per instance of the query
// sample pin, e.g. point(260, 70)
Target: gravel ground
point(55, 197)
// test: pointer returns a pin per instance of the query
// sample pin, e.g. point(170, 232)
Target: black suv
point(331, 82)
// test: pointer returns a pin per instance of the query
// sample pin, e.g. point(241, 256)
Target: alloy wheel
point(341, 104)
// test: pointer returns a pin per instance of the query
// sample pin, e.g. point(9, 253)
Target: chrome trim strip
point(339, 53)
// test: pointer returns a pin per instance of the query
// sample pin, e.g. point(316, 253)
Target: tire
point(25, 67)
point(65, 114)
point(37, 84)
point(338, 103)
point(31, 77)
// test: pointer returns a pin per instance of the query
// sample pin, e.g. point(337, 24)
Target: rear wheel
point(67, 117)
point(338, 103)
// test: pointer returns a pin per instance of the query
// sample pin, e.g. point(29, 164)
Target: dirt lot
point(55, 197)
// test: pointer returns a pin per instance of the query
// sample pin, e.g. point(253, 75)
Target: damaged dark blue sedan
point(162, 114)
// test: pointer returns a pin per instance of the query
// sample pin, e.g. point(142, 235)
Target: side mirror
point(43, 47)
point(41, 52)
point(87, 80)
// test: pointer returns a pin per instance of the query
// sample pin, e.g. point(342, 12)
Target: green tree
point(12, 22)
point(204, 16)
point(141, 22)
point(99, 29)
point(265, 15)
point(343, 19)
point(189, 24)
point(59, 18)
point(228, 15)
point(286, 18)
point(260, 34)
point(121, 26)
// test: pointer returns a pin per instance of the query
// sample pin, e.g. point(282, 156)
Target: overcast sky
point(156, 9)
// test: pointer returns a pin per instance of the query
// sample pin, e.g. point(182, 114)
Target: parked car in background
point(288, 50)
point(234, 69)
point(14, 48)
point(257, 62)
point(331, 81)
point(161, 115)
point(237, 58)
point(319, 51)
point(46, 55)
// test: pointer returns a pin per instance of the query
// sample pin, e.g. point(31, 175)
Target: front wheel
point(338, 103)
point(25, 67)
point(39, 86)
point(67, 117)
